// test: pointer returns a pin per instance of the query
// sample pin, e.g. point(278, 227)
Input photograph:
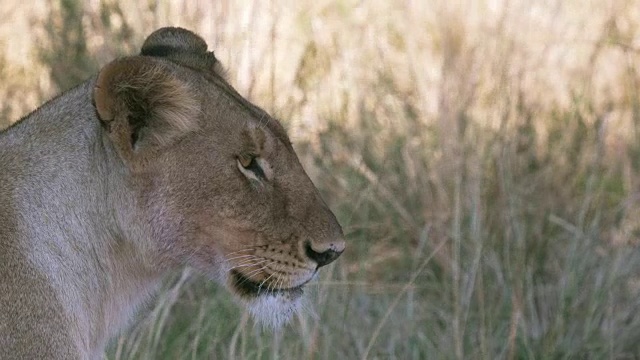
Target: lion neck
point(100, 275)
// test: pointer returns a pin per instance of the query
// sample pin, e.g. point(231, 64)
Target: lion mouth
point(247, 287)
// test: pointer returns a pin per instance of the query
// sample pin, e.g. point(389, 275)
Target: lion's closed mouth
point(247, 287)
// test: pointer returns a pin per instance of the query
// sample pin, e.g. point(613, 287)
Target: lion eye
point(246, 160)
point(250, 166)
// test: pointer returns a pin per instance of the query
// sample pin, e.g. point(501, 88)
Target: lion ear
point(169, 40)
point(182, 47)
point(143, 105)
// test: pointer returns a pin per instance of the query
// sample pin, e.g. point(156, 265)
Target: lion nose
point(325, 253)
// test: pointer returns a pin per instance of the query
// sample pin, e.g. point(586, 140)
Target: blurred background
point(482, 157)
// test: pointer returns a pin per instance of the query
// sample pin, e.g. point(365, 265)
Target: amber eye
point(246, 160)
point(249, 162)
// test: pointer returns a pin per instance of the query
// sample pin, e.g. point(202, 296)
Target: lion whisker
point(253, 272)
point(279, 281)
point(252, 248)
point(265, 280)
point(242, 256)
point(247, 276)
point(246, 265)
point(258, 259)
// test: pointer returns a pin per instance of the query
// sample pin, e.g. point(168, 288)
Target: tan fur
point(154, 164)
point(138, 87)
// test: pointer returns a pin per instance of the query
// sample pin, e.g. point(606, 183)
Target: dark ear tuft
point(169, 40)
point(143, 104)
point(182, 47)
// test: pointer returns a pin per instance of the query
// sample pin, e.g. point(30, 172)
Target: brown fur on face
point(231, 198)
point(224, 207)
point(154, 164)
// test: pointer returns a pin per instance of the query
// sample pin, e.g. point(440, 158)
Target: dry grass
point(482, 157)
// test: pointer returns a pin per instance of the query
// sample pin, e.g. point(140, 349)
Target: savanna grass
point(482, 157)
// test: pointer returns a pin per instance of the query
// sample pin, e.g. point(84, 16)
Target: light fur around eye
point(266, 167)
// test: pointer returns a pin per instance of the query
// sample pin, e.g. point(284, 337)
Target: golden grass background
point(482, 156)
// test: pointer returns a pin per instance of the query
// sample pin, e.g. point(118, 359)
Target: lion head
point(216, 182)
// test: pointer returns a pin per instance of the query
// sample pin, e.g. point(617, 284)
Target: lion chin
point(274, 310)
point(270, 307)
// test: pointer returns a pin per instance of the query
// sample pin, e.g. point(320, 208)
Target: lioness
point(153, 164)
